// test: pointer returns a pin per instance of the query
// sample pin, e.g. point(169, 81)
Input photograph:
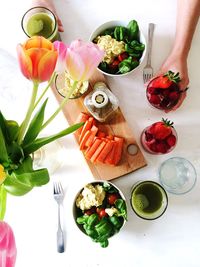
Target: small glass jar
point(101, 102)
point(64, 83)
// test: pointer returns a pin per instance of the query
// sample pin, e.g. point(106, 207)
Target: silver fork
point(148, 70)
point(58, 196)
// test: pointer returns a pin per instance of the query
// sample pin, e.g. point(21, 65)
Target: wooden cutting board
point(117, 126)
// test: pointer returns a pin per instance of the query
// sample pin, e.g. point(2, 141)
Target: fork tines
point(57, 188)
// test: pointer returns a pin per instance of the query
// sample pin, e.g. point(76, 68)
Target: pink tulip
point(62, 50)
point(8, 249)
point(37, 58)
point(82, 59)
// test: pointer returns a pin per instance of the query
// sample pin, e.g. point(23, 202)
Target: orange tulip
point(37, 58)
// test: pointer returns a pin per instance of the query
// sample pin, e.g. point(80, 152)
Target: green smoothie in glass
point(149, 200)
point(42, 22)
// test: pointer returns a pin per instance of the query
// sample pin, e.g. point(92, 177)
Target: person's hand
point(49, 4)
point(177, 64)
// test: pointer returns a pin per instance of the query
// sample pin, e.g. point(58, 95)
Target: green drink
point(149, 200)
point(42, 22)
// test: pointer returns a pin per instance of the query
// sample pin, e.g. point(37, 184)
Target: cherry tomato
point(101, 212)
point(122, 56)
point(112, 198)
point(90, 211)
point(114, 64)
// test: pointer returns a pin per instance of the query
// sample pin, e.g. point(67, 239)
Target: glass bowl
point(158, 147)
point(63, 83)
point(177, 175)
point(162, 98)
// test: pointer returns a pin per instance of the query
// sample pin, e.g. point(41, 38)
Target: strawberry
point(151, 90)
point(161, 147)
point(171, 140)
point(162, 129)
point(148, 136)
point(166, 80)
point(173, 96)
point(154, 99)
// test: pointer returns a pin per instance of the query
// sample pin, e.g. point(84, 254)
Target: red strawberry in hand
point(166, 80)
point(162, 129)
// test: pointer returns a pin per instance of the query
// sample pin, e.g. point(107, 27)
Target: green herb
point(133, 30)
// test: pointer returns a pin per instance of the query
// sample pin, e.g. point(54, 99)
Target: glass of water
point(177, 175)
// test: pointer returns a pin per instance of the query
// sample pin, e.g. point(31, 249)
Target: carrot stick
point(110, 157)
point(105, 151)
point(87, 126)
point(83, 117)
point(109, 137)
point(97, 152)
point(84, 139)
point(91, 150)
point(101, 134)
point(118, 150)
point(93, 133)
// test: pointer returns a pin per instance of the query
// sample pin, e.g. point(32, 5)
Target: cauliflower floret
point(111, 211)
point(90, 196)
point(111, 46)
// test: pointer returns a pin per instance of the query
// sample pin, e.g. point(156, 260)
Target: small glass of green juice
point(148, 200)
point(42, 22)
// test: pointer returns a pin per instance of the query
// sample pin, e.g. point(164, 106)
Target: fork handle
point(60, 241)
point(150, 39)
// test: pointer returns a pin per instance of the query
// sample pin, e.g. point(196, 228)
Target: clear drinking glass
point(148, 200)
point(177, 175)
point(42, 22)
point(49, 156)
point(64, 83)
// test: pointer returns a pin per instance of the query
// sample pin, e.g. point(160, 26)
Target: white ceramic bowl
point(76, 210)
point(111, 24)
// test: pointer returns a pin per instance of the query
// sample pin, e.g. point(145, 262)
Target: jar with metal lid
point(101, 102)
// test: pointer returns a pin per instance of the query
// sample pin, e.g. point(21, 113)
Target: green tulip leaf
point(3, 150)
point(35, 125)
point(20, 184)
point(25, 166)
point(3, 197)
point(3, 125)
point(28, 149)
point(16, 187)
point(16, 152)
point(12, 130)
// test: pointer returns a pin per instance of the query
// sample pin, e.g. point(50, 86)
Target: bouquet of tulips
point(39, 61)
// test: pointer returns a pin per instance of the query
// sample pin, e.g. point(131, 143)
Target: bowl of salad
point(100, 211)
point(124, 45)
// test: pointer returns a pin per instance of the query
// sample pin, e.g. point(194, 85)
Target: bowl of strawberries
point(160, 137)
point(163, 92)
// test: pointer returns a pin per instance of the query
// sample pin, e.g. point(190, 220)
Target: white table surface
point(172, 240)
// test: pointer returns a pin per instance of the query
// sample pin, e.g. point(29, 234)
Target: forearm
point(188, 12)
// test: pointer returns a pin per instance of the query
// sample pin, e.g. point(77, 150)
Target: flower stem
point(61, 105)
point(3, 194)
point(45, 90)
point(28, 114)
